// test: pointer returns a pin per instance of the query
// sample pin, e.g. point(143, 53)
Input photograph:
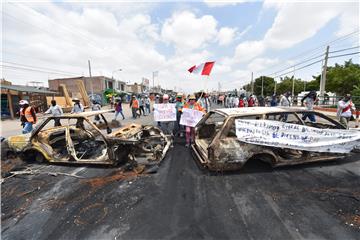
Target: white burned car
point(227, 138)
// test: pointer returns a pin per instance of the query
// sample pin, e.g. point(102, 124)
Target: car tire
point(39, 157)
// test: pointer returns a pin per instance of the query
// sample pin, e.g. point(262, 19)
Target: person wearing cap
point(157, 99)
point(309, 100)
point(166, 127)
point(179, 104)
point(141, 105)
point(27, 116)
point(78, 107)
point(345, 109)
point(56, 111)
point(190, 131)
point(134, 104)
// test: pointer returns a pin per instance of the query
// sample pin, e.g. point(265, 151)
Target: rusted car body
point(80, 141)
point(217, 147)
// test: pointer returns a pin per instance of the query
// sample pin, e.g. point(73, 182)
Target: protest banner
point(294, 136)
point(165, 112)
point(190, 117)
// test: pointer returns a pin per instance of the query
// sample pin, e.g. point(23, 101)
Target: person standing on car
point(190, 131)
point(134, 104)
point(56, 111)
point(345, 109)
point(27, 116)
point(118, 108)
point(78, 107)
point(309, 100)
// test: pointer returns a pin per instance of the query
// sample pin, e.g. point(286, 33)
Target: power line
point(42, 68)
point(34, 70)
point(341, 50)
point(314, 50)
point(310, 64)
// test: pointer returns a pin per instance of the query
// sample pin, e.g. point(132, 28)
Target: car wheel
point(39, 157)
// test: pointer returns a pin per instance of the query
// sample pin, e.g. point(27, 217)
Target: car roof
point(83, 114)
point(256, 110)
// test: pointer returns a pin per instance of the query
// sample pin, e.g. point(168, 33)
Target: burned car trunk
point(79, 141)
point(219, 147)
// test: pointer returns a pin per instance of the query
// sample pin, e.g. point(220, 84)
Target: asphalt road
point(181, 201)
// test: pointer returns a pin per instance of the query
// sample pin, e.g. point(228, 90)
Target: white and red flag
point(203, 69)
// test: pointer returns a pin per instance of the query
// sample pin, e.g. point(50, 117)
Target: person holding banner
point(190, 131)
point(167, 126)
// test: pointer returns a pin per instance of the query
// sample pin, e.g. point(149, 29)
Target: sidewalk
point(12, 127)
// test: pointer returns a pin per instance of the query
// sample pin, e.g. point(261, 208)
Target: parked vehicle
point(222, 145)
point(79, 141)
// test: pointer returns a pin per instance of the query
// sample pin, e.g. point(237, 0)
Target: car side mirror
point(108, 130)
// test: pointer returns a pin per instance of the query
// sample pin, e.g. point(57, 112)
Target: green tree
point(269, 84)
point(286, 83)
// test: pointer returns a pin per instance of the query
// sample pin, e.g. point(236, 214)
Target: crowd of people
point(141, 105)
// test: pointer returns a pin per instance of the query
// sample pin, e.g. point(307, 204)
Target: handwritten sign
point(165, 112)
point(190, 117)
point(294, 136)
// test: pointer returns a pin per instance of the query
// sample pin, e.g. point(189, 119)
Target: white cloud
point(226, 35)
point(260, 64)
point(187, 31)
point(222, 3)
point(349, 19)
point(248, 50)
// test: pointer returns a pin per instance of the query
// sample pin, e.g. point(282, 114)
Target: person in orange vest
point(190, 131)
point(134, 104)
point(27, 116)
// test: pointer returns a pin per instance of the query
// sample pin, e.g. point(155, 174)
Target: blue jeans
point(117, 113)
point(311, 117)
point(28, 127)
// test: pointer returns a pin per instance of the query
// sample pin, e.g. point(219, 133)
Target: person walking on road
point(27, 116)
point(284, 102)
point(78, 107)
point(205, 103)
point(118, 108)
point(309, 100)
point(178, 129)
point(141, 105)
point(134, 104)
point(345, 109)
point(147, 105)
point(96, 107)
point(251, 101)
point(190, 131)
point(56, 111)
point(273, 102)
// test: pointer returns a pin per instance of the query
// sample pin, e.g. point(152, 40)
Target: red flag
point(203, 69)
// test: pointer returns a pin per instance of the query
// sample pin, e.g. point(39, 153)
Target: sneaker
point(187, 145)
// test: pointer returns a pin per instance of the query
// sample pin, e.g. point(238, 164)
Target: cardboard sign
point(294, 136)
point(190, 117)
point(164, 112)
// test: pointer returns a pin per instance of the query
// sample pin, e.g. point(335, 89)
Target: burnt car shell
point(217, 148)
point(80, 141)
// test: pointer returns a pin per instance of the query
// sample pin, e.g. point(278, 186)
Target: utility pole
point(252, 83)
point(262, 86)
point(91, 83)
point(293, 86)
point(275, 87)
point(153, 82)
point(323, 75)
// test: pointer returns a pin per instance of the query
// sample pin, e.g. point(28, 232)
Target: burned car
point(226, 139)
point(79, 140)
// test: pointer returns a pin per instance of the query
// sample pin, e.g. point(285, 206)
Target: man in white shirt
point(56, 111)
point(345, 109)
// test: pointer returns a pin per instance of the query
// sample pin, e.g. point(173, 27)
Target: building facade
point(96, 84)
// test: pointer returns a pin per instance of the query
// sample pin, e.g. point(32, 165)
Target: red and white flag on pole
point(203, 69)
